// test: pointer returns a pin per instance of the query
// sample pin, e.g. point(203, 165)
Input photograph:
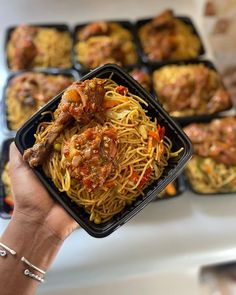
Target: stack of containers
point(30, 85)
point(130, 54)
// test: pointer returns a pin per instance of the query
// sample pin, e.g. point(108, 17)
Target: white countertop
point(162, 249)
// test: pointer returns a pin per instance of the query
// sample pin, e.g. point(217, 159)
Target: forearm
point(37, 243)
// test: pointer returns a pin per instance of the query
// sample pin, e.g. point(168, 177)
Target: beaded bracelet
point(33, 276)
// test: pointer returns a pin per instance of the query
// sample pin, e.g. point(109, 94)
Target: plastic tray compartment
point(188, 183)
point(69, 73)
point(25, 139)
point(60, 27)
point(192, 118)
point(184, 19)
point(124, 23)
point(4, 158)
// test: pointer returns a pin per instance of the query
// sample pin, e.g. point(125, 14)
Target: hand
point(33, 202)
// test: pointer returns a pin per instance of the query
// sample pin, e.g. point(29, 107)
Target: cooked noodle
point(140, 158)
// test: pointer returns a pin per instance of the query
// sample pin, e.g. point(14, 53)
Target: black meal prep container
point(147, 70)
point(192, 118)
point(5, 209)
point(124, 23)
point(25, 139)
point(143, 56)
point(58, 26)
point(180, 186)
point(53, 71)
point(188, 183)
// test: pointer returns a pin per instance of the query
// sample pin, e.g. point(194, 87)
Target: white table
point(162, 250)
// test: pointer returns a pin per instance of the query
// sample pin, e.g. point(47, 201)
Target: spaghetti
point(105, 164)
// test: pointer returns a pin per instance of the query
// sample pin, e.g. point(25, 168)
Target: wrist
point(31, 239)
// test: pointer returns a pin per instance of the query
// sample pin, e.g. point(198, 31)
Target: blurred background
point(180, 245)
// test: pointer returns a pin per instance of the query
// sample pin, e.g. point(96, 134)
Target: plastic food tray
point(192, 118)
point(185, 19)
point(147, 70)
point(70, 73)
point(4, 158)
point(124, 23)
point(188, 183)
point(25, 139)
point(60, 27)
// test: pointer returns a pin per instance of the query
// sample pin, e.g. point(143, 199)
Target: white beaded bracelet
point(38, 278)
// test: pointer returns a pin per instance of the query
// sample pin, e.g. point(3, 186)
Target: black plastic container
point(58, 26)
point(188, 183)
point(5, 209)
point(148, 71)
point(25, 139)
point(180, 186)
point(184, 19)
point(68, 73)
point(192, 118)
point(124, 23)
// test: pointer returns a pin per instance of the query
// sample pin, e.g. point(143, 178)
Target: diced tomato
point(112, 132)
point(109, 184)
point(84, 170)
point(121, 90)
point(161, 131)
point(159, 135)
point(88, 183)
point(108, 104)
point(134, 177)
point(145, 178)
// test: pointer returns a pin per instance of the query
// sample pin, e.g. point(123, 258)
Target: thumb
point(21, 174)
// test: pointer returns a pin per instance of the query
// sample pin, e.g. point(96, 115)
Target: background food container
point(25, 139)
point(68, 73)
point(124, 23)
point(192, 118)
point(5, 209)
point(185, 19)
point(180, 186)
point(188, 182)
point(57, 26)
